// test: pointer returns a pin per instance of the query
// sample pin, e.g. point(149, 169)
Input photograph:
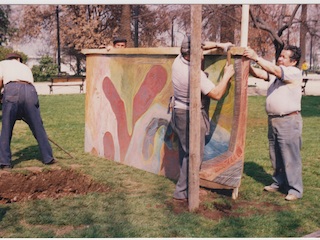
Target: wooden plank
point(195, 108)
point(134, 51)
point(68, 79)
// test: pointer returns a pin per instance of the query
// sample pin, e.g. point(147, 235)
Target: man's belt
point(25, 82)
point(20, 81)
point(285, 115)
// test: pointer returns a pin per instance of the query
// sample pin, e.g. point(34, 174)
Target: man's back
point(13, 70)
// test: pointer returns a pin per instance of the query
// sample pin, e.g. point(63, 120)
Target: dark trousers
point(180, 124)
point(20, 102)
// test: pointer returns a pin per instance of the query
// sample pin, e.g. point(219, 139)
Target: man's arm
point(1, 84)
point(269, 67)
point(218, 91)
point(259, 73)
point(211, 45)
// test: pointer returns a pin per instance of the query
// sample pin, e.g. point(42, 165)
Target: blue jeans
point(20, 102)
point(284, 134)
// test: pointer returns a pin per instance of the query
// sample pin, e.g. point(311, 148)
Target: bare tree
point(275, 30)
point(303, 31)
point(313, 29)
point(229, 24)
point(125, 26)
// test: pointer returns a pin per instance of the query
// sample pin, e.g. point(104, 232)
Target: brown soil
point(215, 210)
point(57, 183)
point(17, 187)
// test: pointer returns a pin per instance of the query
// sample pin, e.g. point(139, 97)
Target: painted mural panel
point(127, 117)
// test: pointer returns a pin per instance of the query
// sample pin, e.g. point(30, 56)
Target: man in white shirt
point(20, 102)
point(283, 106)
point(180, 112)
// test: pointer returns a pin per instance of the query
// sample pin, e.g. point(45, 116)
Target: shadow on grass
point(257, 173)
point(3, 212)
point(26, 154)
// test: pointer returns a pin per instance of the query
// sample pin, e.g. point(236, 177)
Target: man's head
point(14, 56)
point(120, 43)
point(290, 56)
point(186, 46)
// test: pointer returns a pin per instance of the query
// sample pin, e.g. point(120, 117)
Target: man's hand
point(251, 54)
point(228, 71)
point(225, 46)
point(106, 47)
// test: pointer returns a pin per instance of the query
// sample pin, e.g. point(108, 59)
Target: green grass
point(136, 205)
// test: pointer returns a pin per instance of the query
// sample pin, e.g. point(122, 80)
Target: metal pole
point(58, 38)
point(172, 37)
point(244, 25)
point(136, 26)
point(311, 57)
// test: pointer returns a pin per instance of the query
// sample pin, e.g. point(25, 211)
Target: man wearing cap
point(20, 102)
point(180, 112)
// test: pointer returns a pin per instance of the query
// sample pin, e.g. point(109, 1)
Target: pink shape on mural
point(108, 146)
point(152, 85)
point(118, 108)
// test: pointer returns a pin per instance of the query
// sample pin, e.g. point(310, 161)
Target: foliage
point(93, 26)
point(4, 23)
point(88, 26)
point(4, 51)
point(137, 205)
point(46, 69)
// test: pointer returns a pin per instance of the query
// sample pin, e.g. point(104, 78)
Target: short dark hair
point(119, 39)
point(295, 53)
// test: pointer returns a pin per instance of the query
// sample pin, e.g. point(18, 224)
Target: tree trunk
point(228, 25)
point(303, 32)
point(125, 28)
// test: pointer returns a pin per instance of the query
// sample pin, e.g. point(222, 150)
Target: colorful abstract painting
point(127, 119)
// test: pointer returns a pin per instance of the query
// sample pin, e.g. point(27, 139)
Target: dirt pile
point(16, 187)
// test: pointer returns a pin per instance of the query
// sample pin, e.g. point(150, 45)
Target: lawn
point(139, 204)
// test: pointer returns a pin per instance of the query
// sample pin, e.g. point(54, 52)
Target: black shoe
point(5, 167)
point(53, 161)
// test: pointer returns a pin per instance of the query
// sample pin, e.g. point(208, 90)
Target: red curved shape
point(108, 146)
point(152, 85)
point(118, 108)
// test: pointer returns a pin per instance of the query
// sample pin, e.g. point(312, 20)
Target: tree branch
point(289, 23)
